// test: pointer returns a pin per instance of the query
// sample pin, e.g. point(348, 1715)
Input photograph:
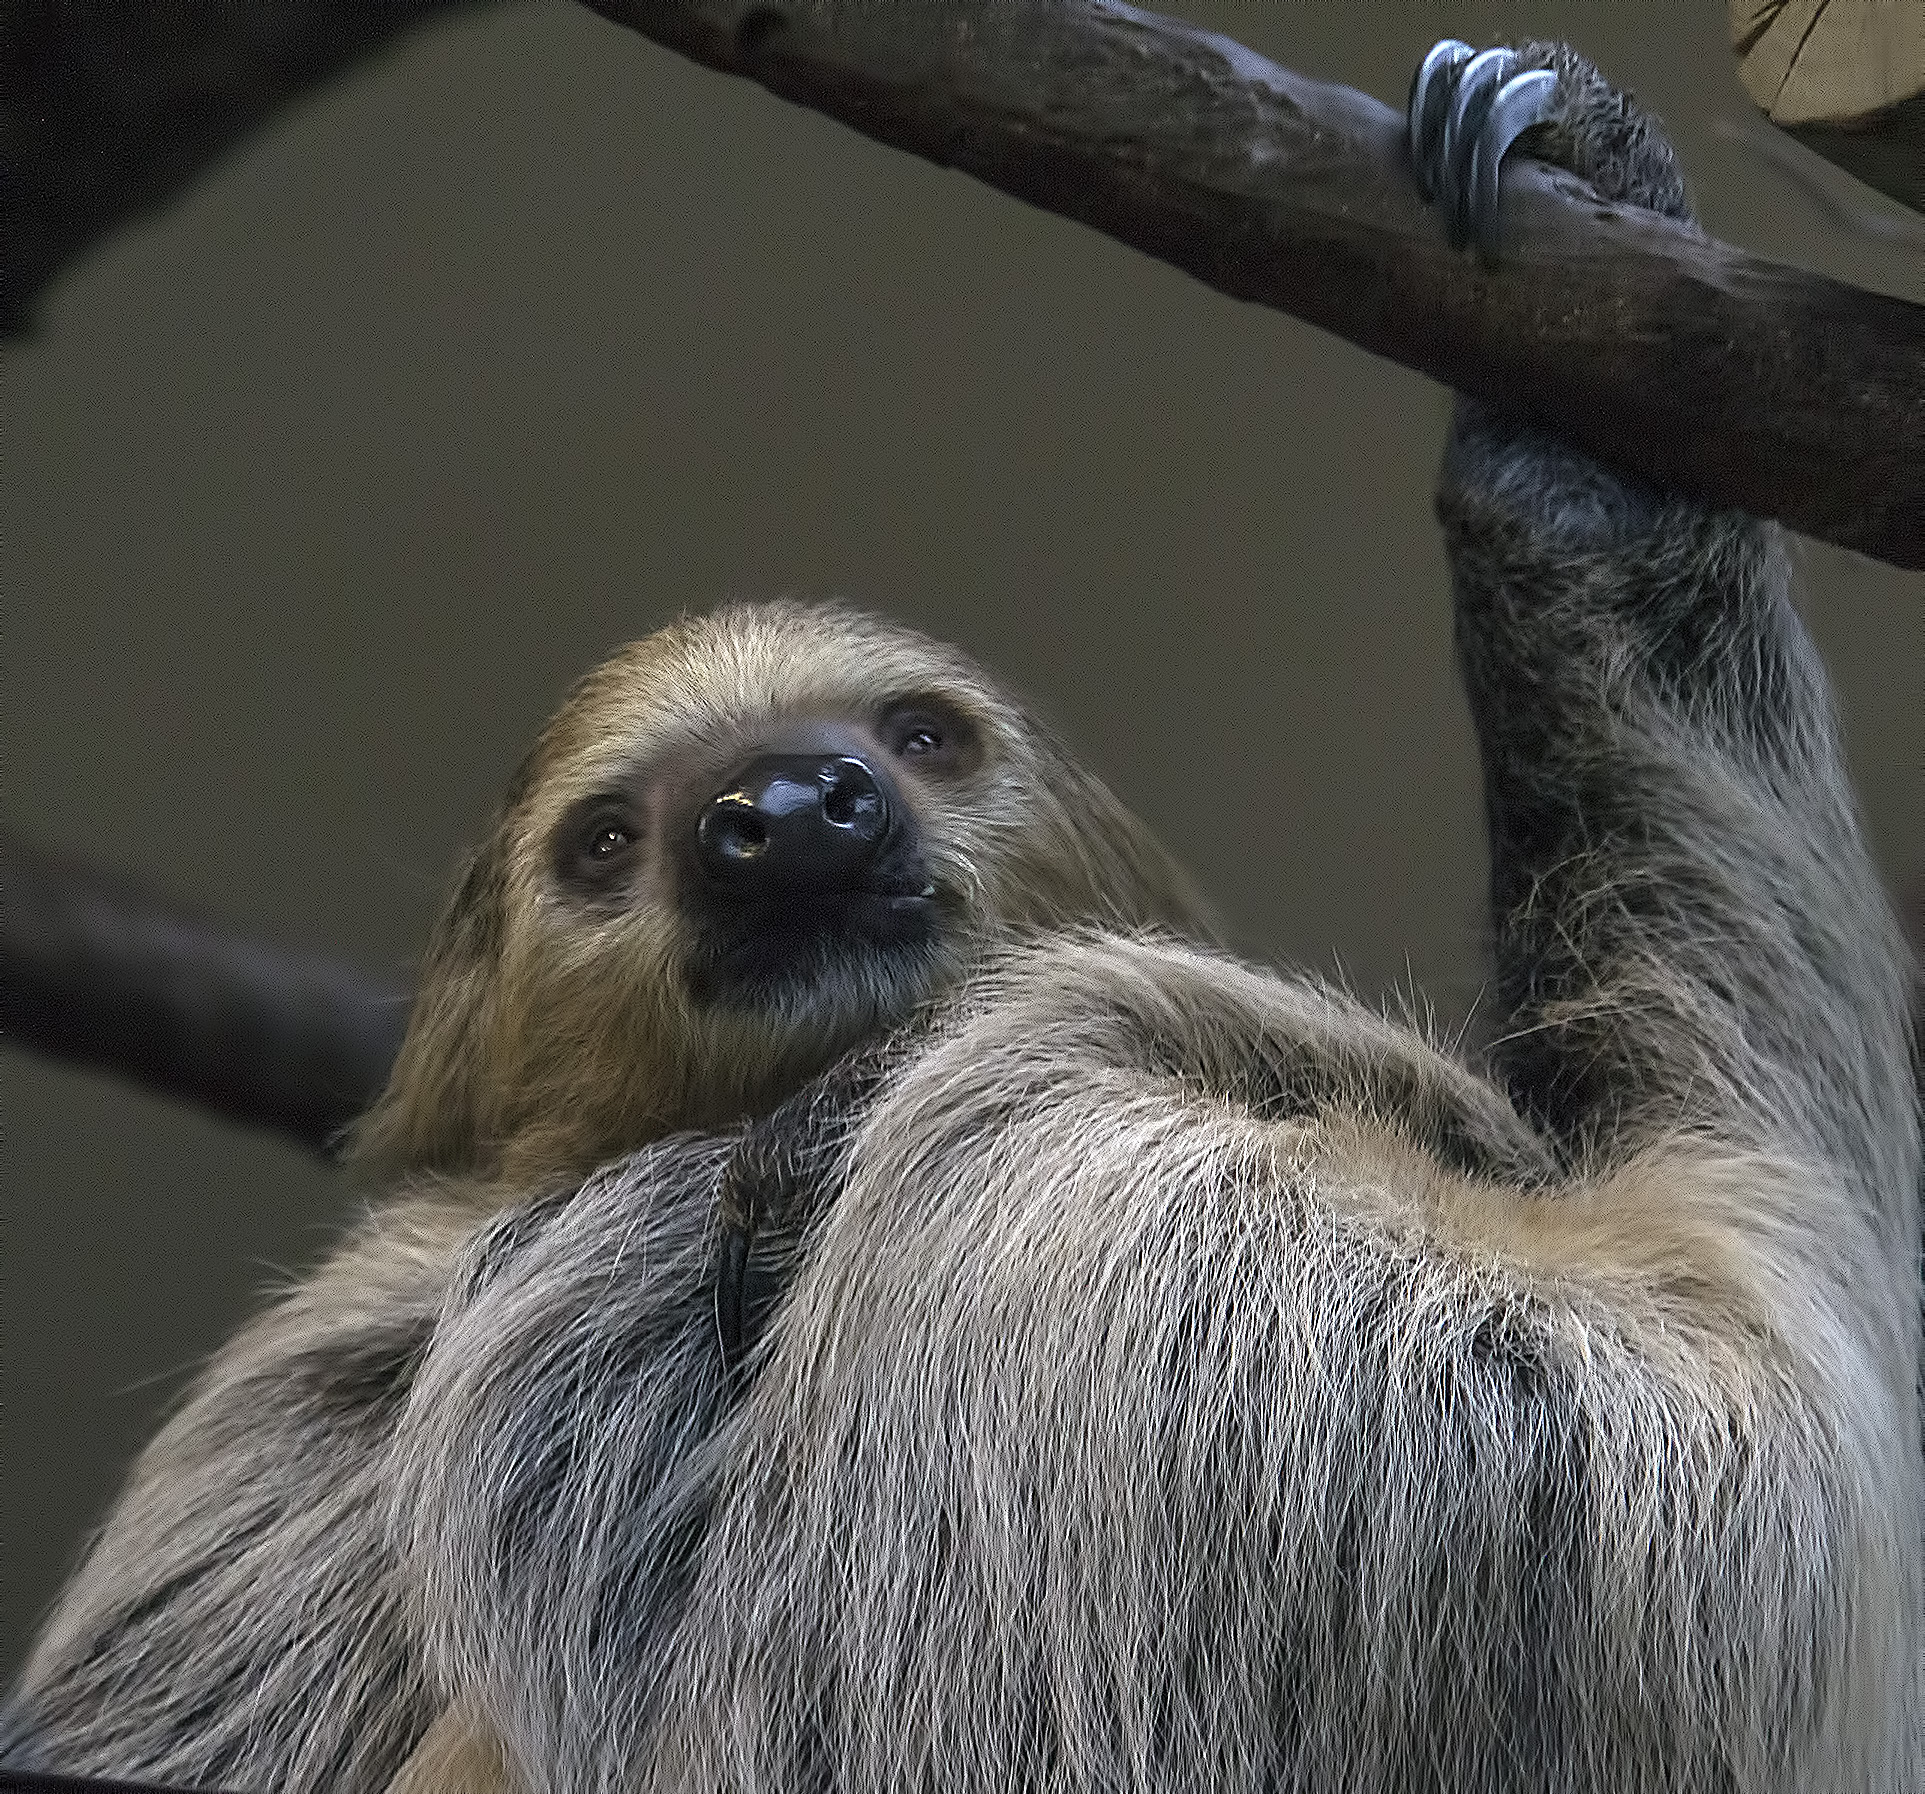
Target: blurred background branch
point(94, 970)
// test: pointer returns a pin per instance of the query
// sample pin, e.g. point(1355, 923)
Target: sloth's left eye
point(593, 846)
point(931, 735)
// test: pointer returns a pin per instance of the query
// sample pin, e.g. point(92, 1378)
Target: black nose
point(794, 823)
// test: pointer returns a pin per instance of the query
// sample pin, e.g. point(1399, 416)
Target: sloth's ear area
point(1465, 111)
point(433, 1113)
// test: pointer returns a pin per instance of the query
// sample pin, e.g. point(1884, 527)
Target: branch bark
point(1737, 380)
point(95, 971)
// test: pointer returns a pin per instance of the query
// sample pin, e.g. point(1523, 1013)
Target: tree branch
point(1737, 380)
point(93, 970)
point(110, 107)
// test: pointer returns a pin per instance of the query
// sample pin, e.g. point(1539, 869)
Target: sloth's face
point(792, 858)
point(745, 845)
point(742, 847)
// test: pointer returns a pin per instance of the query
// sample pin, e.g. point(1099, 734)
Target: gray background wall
point(325, 482)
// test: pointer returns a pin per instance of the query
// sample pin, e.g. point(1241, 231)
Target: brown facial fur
point(552, 1033)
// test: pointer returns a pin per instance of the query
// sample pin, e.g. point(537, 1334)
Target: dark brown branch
point(1740, 381)
point(94, 971)
point(111, 106)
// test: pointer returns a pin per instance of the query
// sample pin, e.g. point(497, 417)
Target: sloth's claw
point(1474, 92)
point(1430, 90)
point(1524, 100)
point(1465, 111)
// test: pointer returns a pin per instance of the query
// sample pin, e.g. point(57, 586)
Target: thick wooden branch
point(1740, 381)
point(110, 107)
point(94, 970)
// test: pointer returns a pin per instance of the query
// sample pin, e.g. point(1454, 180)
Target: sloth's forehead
point(712, 687)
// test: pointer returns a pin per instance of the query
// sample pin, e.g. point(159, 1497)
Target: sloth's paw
point(1467, 108)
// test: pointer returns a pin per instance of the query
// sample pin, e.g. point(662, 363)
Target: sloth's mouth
point(799, 950)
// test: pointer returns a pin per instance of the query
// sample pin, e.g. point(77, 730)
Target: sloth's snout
point(790, 824)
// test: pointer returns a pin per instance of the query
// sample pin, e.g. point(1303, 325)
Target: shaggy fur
point(240, 1623)
point(1186, 1379)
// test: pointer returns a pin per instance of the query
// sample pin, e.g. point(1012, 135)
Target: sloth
point(1176, 1375)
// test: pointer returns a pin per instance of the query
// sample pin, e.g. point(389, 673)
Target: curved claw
point(1470, 105)
point(1521, 102)
point(1465, 111)
point(1430, 91)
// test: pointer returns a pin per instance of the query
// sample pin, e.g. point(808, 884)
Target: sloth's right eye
point(593, 846)
point(931, 733)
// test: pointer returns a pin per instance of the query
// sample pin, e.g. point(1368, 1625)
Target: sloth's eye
point(932, 735)
point(593, 846)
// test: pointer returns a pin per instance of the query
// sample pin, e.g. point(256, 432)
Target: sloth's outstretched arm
point(1689, 930)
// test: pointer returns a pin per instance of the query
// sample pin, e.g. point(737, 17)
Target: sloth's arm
point(1690, 932)
point(239, 1623)
point(556, 1467)
point(1201, 1384)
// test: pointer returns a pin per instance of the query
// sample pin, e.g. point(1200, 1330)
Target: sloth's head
point(742, 846)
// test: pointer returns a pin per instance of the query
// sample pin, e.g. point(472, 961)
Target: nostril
point(732, 833)
point(746, 835)
point(851, 800)
point(840, 803)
